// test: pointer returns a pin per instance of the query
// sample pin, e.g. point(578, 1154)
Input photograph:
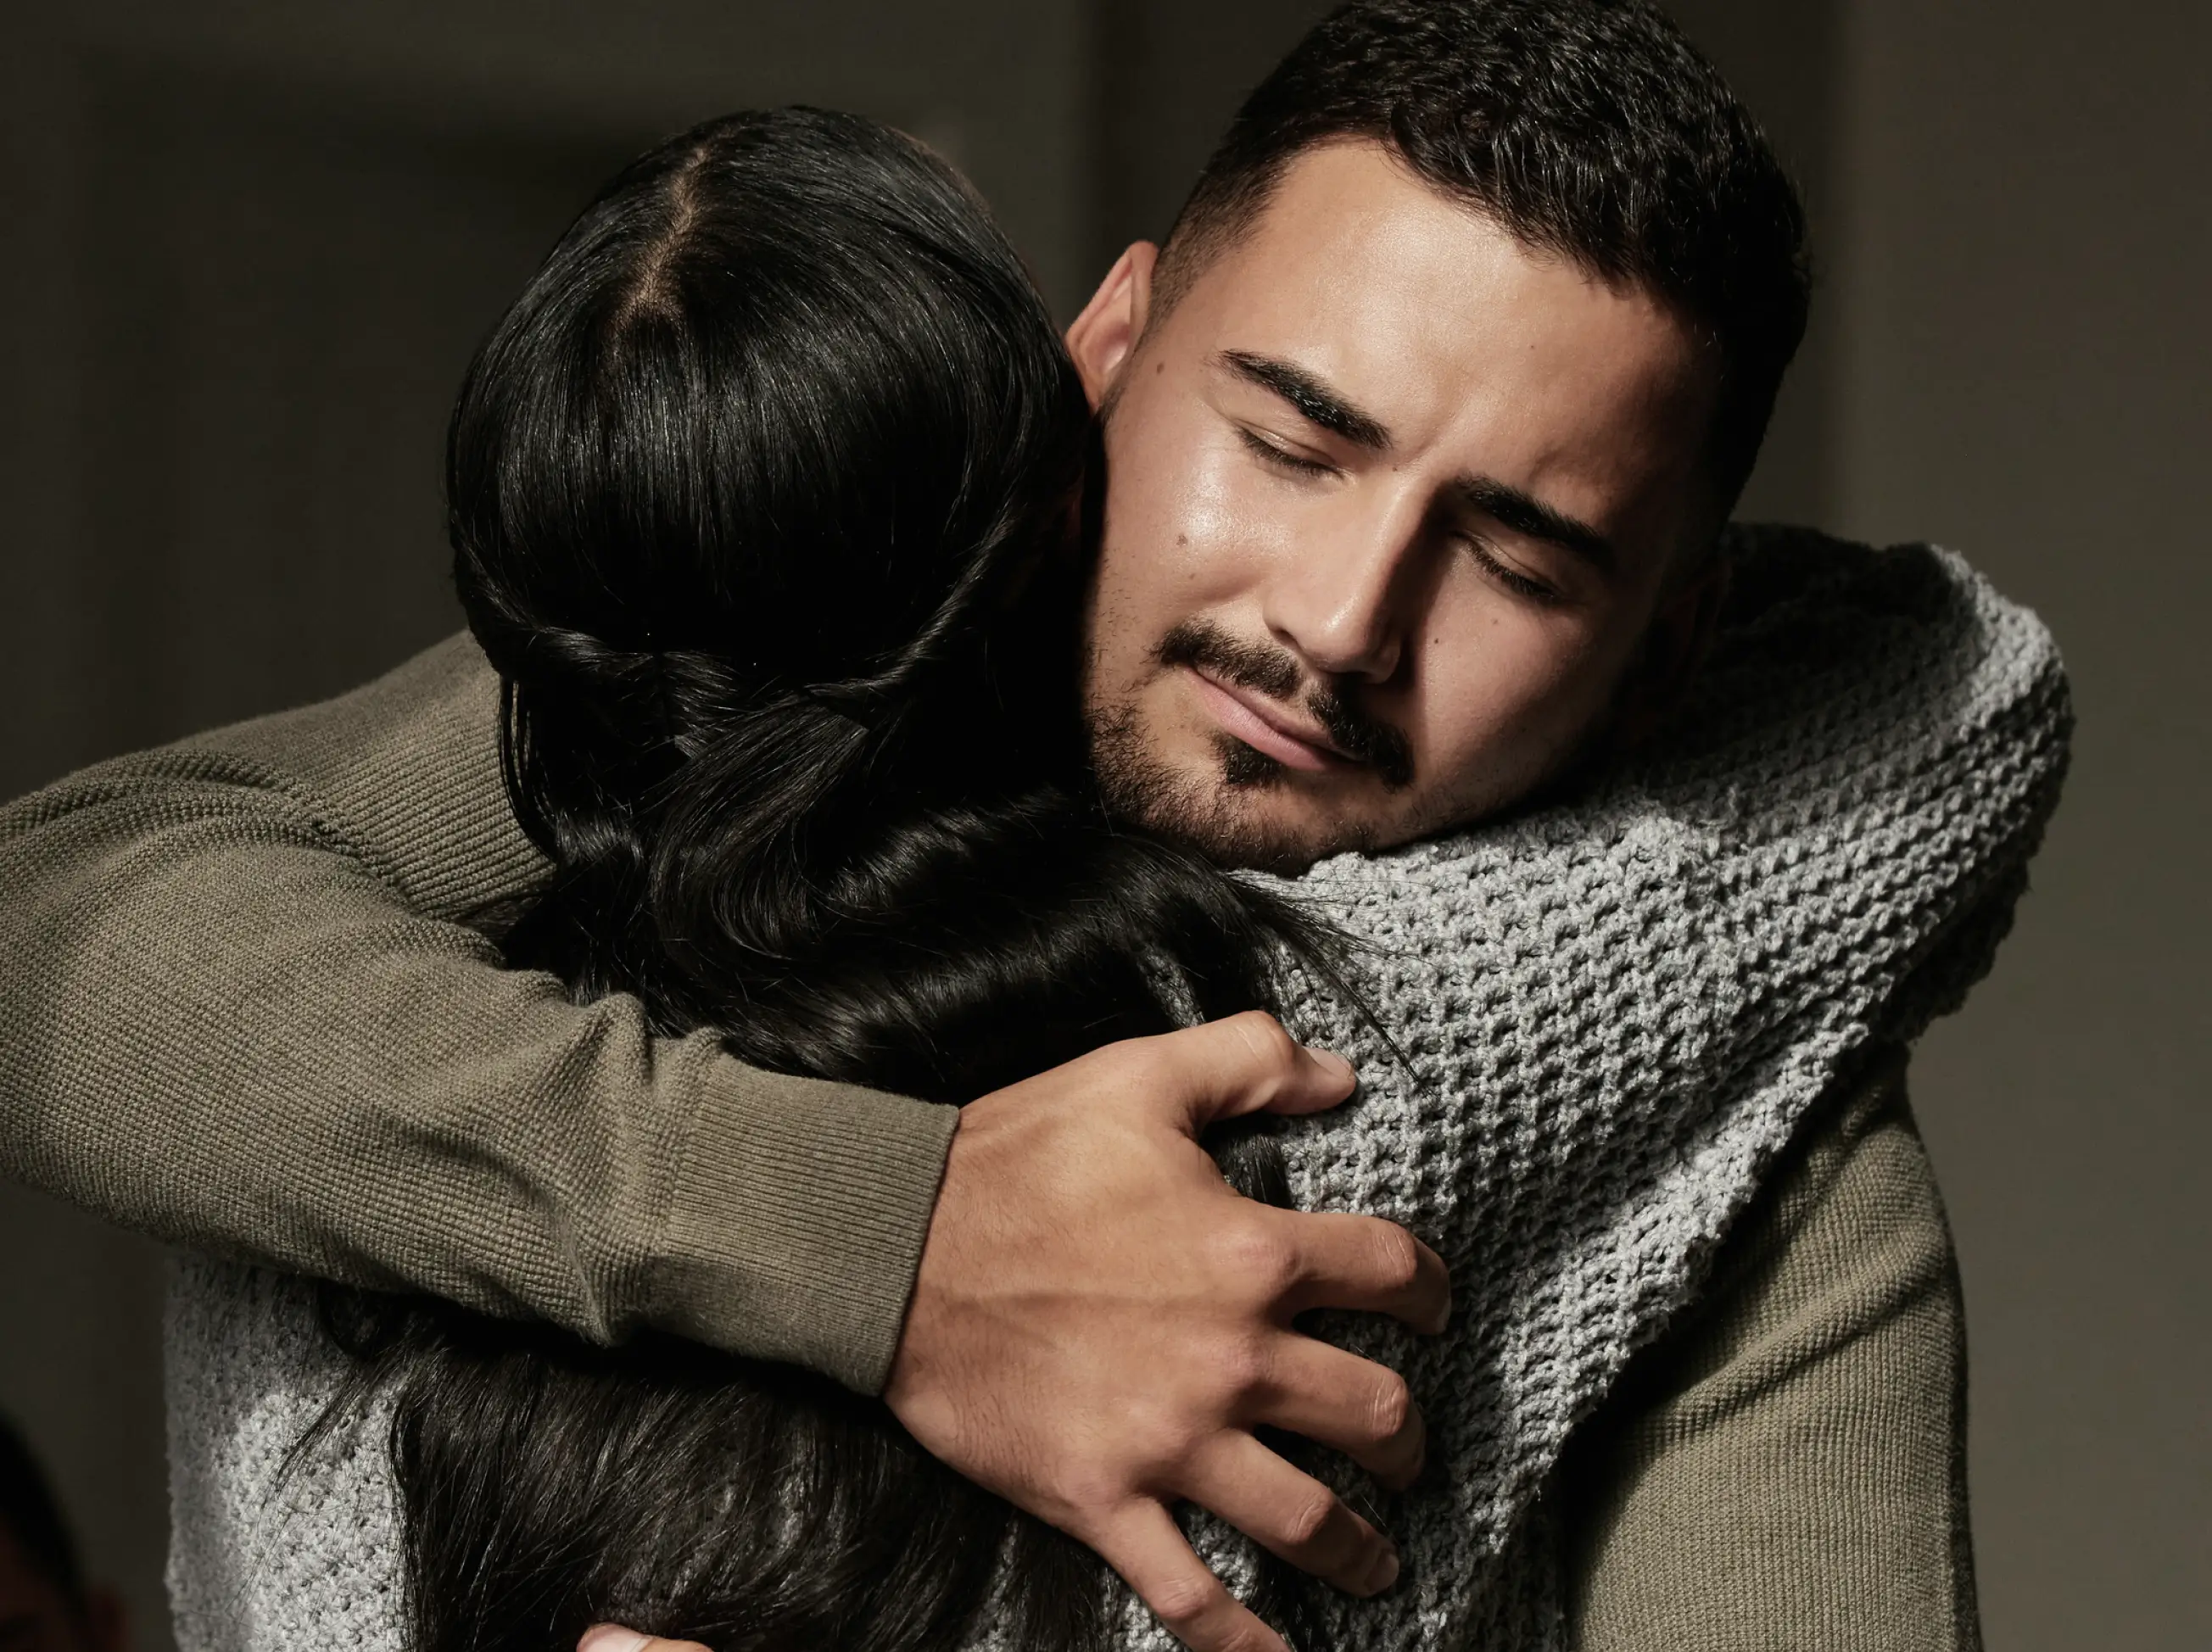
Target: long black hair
point(765, 504)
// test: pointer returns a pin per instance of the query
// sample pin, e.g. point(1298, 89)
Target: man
point(1419, 434)
point(45, 1603)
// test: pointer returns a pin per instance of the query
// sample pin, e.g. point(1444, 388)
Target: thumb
point(1245, 1064)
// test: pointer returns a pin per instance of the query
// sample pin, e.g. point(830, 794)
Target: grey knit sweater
point(1613, 1013)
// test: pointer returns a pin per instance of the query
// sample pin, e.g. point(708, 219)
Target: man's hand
point(1100, 1321)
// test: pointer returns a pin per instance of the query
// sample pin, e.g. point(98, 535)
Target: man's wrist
point(796, 1220)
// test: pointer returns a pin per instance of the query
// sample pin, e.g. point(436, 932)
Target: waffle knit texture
point(1614, 1014)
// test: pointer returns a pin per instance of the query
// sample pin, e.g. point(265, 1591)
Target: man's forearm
point(238, 1010)
point(239, 1007)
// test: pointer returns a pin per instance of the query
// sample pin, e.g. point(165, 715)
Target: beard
point(1221, 815)
point(1214, 819)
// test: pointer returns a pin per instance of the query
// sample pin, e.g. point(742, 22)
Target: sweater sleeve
point(242, 1008)
point(1787, 1467)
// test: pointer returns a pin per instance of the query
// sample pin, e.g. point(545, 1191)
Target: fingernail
point(1333, 1063)
point(611, 1637)
point(1384, 1575)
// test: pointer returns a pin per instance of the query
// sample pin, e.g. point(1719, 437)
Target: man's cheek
point(1177, 729)
point(1474, 733)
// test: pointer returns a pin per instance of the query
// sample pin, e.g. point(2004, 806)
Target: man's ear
point(1680, 636)
point(1102, 337)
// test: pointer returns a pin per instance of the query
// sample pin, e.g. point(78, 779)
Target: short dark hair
point(1589, 128)
point(30, 1515)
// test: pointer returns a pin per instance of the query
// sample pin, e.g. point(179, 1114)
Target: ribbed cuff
point(797, 1221)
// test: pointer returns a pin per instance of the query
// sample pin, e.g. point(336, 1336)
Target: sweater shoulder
point(272, 1547)
point(402, 773)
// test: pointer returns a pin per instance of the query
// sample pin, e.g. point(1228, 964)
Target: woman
point(765, 500)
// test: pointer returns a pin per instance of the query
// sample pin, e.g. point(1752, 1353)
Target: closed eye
point(1506, 574)
point(1282, 458)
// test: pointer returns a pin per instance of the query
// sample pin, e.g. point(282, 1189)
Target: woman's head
point(763, 497)
point(781, 413)
point(762, 500)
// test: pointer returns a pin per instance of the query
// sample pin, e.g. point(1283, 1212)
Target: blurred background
point(250, 244)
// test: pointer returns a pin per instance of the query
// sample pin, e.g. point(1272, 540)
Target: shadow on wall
point(282, 324)
point(47, 1602)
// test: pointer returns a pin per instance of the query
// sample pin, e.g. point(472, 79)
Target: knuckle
point(1243, 1367)
point(1397, 1256)
point(1389, 1406)
point(1087, 1490)
point(1153, 1441)
point(1257, 1255)
point(1185, 1600)
point(1308, 1518)
point(1265, 1037)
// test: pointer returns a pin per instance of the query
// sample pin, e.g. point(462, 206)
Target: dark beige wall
point(1168, 74)
point(1781, 57)
point(2027, 374)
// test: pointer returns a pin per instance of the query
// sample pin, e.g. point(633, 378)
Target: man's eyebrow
point(1526, 514)
point(1312, 396)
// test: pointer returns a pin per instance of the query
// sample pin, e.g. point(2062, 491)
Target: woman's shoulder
point(274, 1542)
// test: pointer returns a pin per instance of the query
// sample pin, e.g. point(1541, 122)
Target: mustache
point(1275, 672)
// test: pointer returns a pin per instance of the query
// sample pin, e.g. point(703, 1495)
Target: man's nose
point(1338, 601)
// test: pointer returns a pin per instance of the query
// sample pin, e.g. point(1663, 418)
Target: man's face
point(1392, 503)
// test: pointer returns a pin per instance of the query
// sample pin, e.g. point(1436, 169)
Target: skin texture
point(1196, 1288)
point(1390, 639)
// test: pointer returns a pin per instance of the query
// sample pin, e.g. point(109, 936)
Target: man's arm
point(241, 1007)
point(1786, 1468)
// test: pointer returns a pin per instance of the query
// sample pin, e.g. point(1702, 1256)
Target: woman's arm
point(241, 1008)
point(1787, 1467)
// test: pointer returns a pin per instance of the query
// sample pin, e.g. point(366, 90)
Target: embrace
point(1241, 978)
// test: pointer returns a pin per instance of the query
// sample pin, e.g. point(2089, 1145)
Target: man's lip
point(1260, 723)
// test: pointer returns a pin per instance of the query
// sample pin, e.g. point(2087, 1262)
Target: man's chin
point(1231, 839)
point(1243, 818)
point(1257, 844)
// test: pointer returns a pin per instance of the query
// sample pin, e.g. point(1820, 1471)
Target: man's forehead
point(1352, 246)
point(1469, 345)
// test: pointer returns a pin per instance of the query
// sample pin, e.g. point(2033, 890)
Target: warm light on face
point(1391, 498)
